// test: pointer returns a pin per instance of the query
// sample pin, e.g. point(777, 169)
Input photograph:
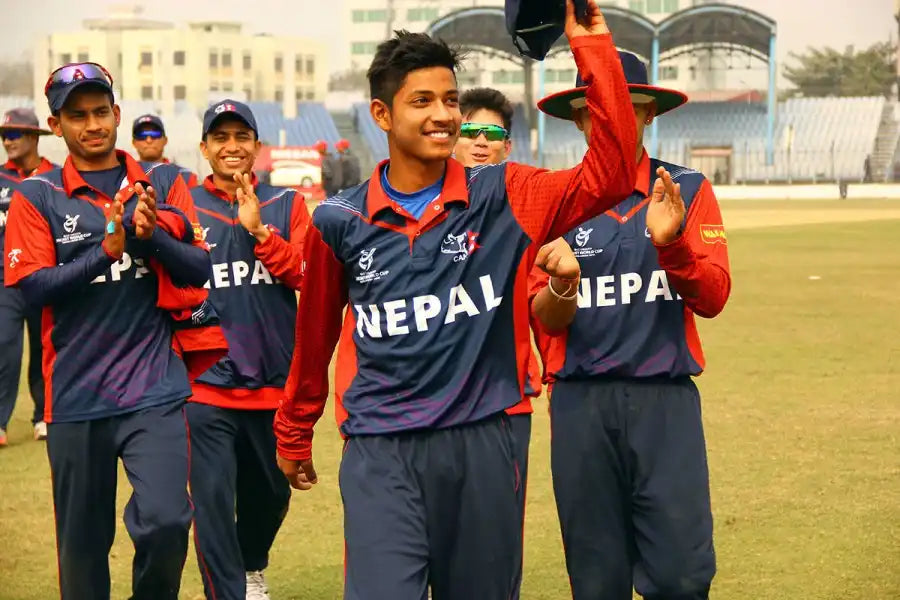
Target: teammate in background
point(429, 256)
point(349, 165)
point(79, 243)
point(255, 232)
point(148, 136)
point(628, 453)
point(20, 132)
point(331, 170)
point(484, 138)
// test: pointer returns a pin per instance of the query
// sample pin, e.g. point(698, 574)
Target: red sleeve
point(537, 280)
point(547, 204)
point(29, 245)
point(697, 262)
point(180, 197)
point(283, 258)
point(190, 179)
point(323, 296)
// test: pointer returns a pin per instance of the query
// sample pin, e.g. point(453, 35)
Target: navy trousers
point(152, 444)
point(14, 313)
point(434, 507)
point(521, 431)
point(240, 495)
point(632, 489)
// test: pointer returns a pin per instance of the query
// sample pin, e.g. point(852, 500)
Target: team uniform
point(628, 453)
point(14, 313)
point(233, 467)
point(189, 177)
point(430, 355)
point(114, 385)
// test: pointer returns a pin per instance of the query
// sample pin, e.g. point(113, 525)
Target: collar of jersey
point(454, 190)
point(210, 187)
point(73, 181)
point(44, 166)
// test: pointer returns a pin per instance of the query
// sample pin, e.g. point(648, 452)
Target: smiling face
point(480, 150)
point(230, 147)
point(87, 122)
point(21, 149)
point(423, 120)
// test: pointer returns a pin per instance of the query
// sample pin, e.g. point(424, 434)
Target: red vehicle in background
point(297, 167)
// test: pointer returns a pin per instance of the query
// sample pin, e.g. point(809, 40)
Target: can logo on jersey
point(14, 257)
point(5, 196)
point(365, 263)
point(581, 249)
point(713, 234)
point(460, 245)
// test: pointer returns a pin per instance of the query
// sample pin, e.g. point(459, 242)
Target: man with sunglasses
point(20, 133)
point(148, 136)
point(628, 454)
point(84, 243)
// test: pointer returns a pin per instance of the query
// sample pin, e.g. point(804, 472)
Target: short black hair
point(399, 56)
point(487, 99)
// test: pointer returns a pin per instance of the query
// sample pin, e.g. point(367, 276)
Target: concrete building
point(196, 64)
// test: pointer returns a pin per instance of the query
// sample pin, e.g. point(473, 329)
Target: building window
point(364, 47)
point(147, 92)
point(213, 60)
point(298, 65)
point(214, 87)
point(670, 6)
point(279, 95)
point(298, 95)
point(668, 72)
point(248, 62)
point(502, 76)
point(248, 94)
point(654, 7)
point(370, 16)
point(227, 86)
point(518, 77)
point(421, 14)
point(636, 5)
point(146, 59)
point(226, 59)
point(566, 75)
point(178, 58)
point(83, 57)
point(65, 58)
point(180, 92)
point(279, 63)
point(310, 95)
point(310, 65)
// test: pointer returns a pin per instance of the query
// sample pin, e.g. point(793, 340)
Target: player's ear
point(381, 113)
point(204, 150)
point(507, 147)
point(118, 113)
point(53, 123)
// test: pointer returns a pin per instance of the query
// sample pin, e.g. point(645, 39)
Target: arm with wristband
point(554, 286)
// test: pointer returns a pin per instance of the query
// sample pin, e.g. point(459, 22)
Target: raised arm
point(547, 204)
point(284, 258)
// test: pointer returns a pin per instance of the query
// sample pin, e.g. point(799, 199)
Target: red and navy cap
point(22, 119)
point(561, 104)
point(68, 78)
point(228, 108)
point(147, 122)
point(535, 25)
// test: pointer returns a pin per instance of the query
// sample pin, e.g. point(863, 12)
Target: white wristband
point(561, 297)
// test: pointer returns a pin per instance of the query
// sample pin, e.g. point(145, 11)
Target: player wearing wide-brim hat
point(620, 348)
point(24, 120)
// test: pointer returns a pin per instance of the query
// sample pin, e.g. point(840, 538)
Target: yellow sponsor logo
point(713, 234)
point(198, 232)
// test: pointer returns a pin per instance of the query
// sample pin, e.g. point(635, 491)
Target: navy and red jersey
point(436, 333)
point(253, 289)
point(636, 300)
point(190, 178)
point(11, 176)
point(107, 346)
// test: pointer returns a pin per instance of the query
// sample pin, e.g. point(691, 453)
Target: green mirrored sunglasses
point(492, 133)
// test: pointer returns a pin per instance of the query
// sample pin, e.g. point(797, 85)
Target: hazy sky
point(800, 22)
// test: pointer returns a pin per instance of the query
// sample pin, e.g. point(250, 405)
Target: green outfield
point(802, 414)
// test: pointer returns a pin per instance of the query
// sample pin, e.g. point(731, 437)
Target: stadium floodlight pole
point(770, 109)
point(654, 80)
point(541, 124)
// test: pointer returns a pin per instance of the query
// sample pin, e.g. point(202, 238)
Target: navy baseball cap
point(147, 121)
point(561, 104)
point(535, 25)
point(230, 108)
point(22, 119)
point(68, 78)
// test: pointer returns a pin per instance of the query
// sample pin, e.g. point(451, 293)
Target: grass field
point(802, 414)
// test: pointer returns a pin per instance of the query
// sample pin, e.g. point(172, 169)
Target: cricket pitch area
point(801, 402)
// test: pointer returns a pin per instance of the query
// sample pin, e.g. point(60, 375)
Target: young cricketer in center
point(433, 260)
point(255, 233)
